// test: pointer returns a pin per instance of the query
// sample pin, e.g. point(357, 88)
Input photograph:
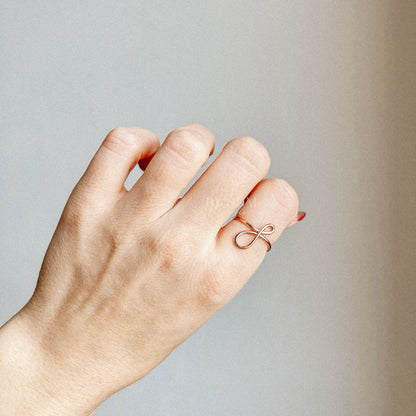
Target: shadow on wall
point(402, 202)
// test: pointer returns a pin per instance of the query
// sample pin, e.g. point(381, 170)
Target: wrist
point(21, 389)
point(31, 382)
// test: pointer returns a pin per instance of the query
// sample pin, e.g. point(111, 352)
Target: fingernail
point(301, 215)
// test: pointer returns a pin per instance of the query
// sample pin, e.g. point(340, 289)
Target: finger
point(182, 154)
point(224, 185)
point(271, 201)
point(116, 157)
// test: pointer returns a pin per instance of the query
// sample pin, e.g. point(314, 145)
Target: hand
point(129, 275)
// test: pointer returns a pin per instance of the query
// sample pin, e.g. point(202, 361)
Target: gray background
point(327, 326)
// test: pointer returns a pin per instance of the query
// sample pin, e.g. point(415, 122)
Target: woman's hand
point(129, 275)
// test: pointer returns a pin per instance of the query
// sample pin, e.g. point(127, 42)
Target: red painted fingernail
point(301, 215)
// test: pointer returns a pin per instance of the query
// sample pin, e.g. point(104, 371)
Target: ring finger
point(271, 201)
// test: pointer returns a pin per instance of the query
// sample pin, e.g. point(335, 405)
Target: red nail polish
point(301, 215)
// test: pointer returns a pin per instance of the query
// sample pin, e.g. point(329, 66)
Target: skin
point(129, 275)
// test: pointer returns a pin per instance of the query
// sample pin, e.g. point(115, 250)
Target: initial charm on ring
point(258, 233)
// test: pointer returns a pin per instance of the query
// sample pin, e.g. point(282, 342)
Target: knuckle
point(188, 143)
point(203, 133)
point(168, 252)
point(285, 195)
point(121, 139)
point(197, 126)
point(171, 254)
point(75, 218)
point(72, 217)
point(121, 237)
point(251, 153)
point(212, 294)
point(212, 290)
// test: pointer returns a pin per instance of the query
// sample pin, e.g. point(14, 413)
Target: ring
point(258, 233)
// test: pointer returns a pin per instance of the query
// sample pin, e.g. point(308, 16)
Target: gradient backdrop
point(328, 324)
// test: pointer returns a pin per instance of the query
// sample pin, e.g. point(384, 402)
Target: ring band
point(258, 233)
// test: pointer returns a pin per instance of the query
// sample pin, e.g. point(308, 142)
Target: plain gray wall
point(327, 326)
